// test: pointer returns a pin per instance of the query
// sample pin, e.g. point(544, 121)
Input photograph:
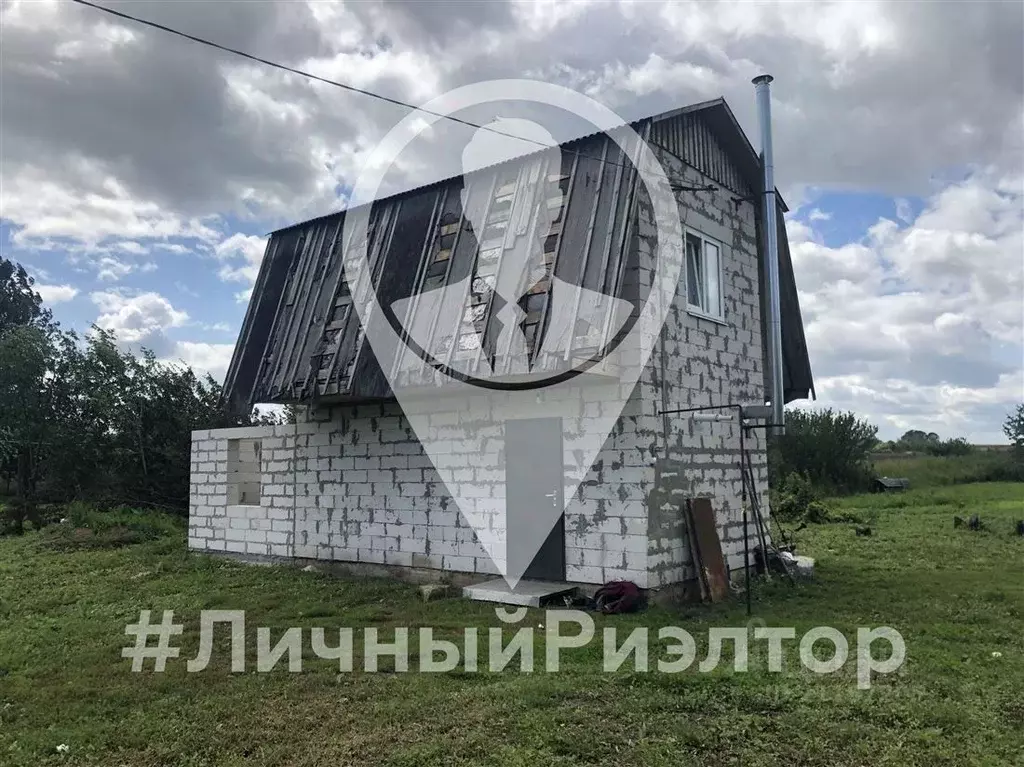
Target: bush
point(86, 527)
point(958, 446)
point(1009, 469)
point(792, 496)
point(1013, 428)
point(828, 448)
point(797, 500)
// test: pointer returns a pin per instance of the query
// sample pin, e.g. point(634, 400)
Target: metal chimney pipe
point(769, 217)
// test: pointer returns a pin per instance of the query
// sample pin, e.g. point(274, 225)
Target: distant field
point(956, 596)
point(935, 471)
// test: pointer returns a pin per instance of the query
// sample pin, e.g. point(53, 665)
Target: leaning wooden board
point(709, 559)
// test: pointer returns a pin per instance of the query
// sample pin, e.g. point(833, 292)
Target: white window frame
point(708, 309)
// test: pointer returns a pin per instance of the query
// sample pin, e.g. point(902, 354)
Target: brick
point(459, 564)
point(578, 574)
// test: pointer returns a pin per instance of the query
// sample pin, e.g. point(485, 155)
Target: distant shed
point(891, 484)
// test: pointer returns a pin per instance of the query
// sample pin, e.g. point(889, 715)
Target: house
point(350, 483)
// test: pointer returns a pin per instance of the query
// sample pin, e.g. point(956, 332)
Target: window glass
point(713, 294)
point(703, 275)
point(693, 270)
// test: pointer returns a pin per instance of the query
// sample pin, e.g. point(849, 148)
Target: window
point(244, 472)
point(703, 276)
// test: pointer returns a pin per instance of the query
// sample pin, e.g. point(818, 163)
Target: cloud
point(80, 207)
point(143, 321)
point(204, 357)
point(903, 210)
point(242, 255)
point(125, 147)
point(55, 294)
point(139, 321)
point(166, 133)
point(220, 327)
point(925, 321)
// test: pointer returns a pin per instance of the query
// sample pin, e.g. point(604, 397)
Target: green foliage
point(955, 446)
point(20, 305)
point(915, 441)
point(84, 419)
point(829, 448)
point(119, 426)
point(86, 527)
point(796, 499)
point(1013, 428)
point(791, 496)
point(918, 440)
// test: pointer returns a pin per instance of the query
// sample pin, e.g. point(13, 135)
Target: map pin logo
point(511, 373)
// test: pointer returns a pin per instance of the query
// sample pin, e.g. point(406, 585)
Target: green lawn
point(956, 596)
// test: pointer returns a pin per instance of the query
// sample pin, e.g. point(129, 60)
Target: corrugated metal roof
point(301, 339)
point(717, 112)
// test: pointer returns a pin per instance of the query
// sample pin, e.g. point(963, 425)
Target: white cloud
point(138, 320)
point(86, 208)
point(143, 321)
point(923, 323)
point(55, 294)
point(220, 327)
point(204, 357)
point(242, 255)
point(652, 75)
point(903, 210)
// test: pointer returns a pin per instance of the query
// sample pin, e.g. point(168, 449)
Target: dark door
point(534, 481)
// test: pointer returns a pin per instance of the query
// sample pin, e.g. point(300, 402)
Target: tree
point(25, 354)
point(918, 440)
point(955, 446)
point(20, 305)
point(830, 448)
point(82, 418)
point(1013, 428)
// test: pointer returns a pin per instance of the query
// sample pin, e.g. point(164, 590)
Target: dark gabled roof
point(716, 112)
point(731, 137)
point(301, 341)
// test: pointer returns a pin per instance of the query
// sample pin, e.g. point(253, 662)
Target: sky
point(140, 173)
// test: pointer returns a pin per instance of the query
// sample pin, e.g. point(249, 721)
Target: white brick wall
point(216, 523)
point(704, 362)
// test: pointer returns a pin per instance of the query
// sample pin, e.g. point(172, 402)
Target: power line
point(347, 87)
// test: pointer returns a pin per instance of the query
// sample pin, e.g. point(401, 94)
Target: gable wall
point(699, 361)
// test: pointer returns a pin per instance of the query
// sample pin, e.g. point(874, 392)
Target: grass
point(932, 471)
point(956, 596)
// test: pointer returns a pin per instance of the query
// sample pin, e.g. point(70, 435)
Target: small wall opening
point(244, 475)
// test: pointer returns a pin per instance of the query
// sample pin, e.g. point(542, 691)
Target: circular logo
point(380, 323)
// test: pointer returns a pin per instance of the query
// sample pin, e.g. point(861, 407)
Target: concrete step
point(526, 593)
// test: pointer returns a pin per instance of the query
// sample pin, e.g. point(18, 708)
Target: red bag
point(617, 597)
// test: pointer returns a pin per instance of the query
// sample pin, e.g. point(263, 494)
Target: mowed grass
point(956, 596)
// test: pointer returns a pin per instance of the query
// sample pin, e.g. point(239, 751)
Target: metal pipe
point(769, 217)
point(746, 515)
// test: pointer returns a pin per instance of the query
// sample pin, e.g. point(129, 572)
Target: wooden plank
point(704, 532)
point(695, 558)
